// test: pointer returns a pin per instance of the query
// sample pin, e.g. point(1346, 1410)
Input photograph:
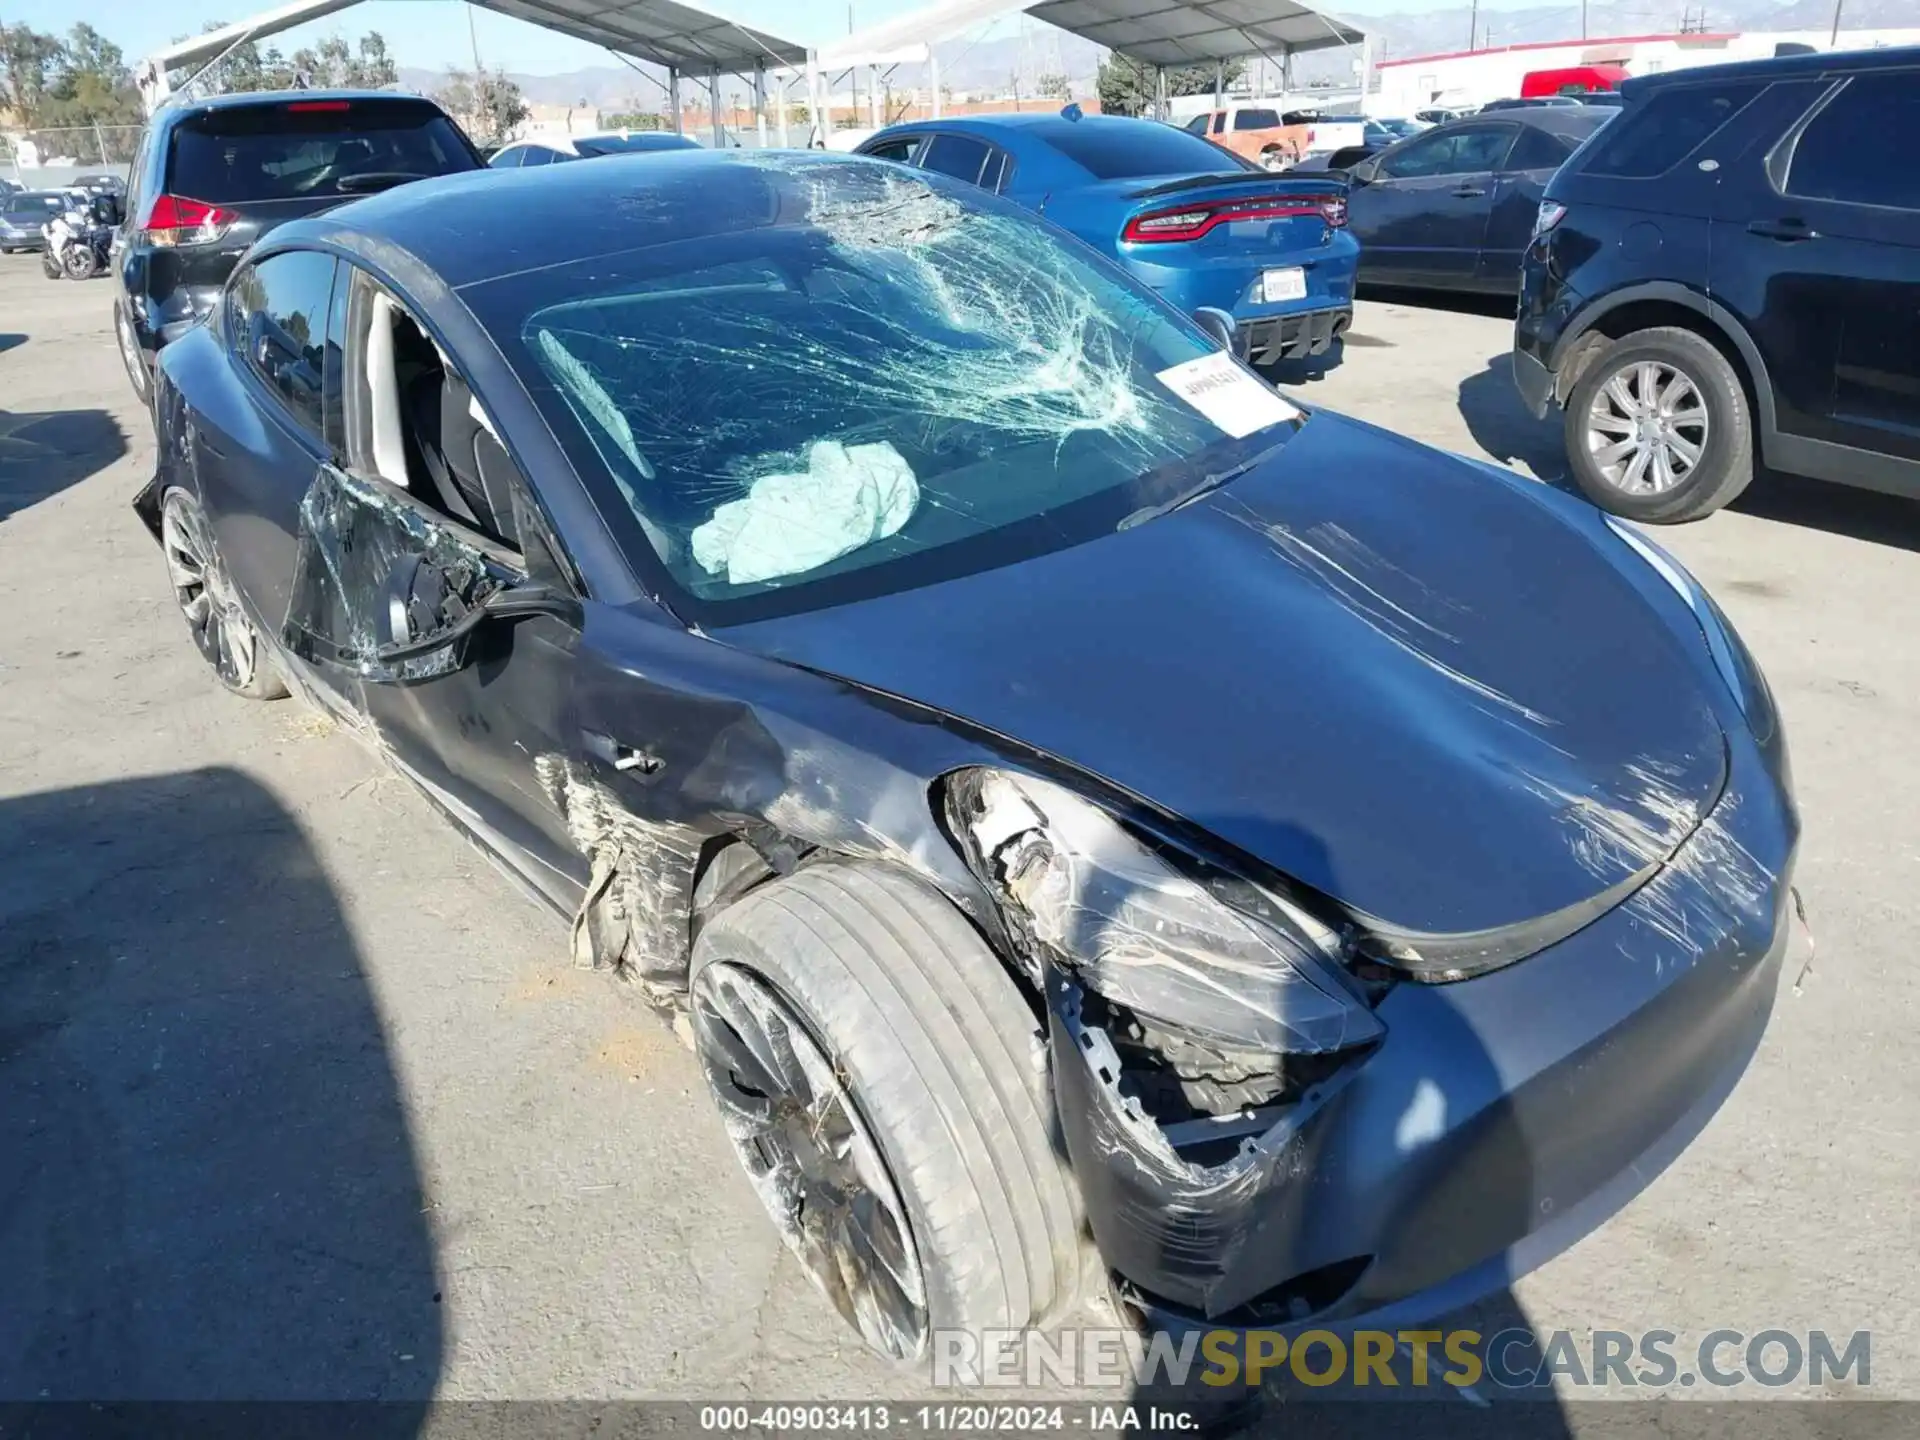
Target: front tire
point(221, 630)
point(874, 1064)
point(78, 263)
point(1658, 428)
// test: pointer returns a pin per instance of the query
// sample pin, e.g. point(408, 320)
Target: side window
point(1220, 122)
point(960, 156)
point(279, 313)
point(1466, 151)
point(1537, 150)
point(536, 155)
point(901, 150)
point(1657, 134)
point(1846, 152)
point(508, 159)
point(1197, 125)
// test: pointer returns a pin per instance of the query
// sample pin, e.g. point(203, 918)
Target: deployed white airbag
point(849, 496)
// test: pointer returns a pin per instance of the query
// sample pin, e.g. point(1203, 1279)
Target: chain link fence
point(47, 158)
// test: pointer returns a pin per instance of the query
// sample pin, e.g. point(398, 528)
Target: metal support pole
point(713, 108)
point(760, 101)
point(673, 99)
point(1159, 92)
point(1833, 40)
point(817, 134)
point(873, 96)
point(1219, 84)
point(933, 77)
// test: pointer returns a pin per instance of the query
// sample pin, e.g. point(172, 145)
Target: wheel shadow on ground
point(1502, 426)
point(1867, 515)
point(45, 452)
point(210, 1192)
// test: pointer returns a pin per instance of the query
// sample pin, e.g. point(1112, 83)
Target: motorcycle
point(77, 240)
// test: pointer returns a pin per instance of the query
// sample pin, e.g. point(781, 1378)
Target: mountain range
point(997, 64)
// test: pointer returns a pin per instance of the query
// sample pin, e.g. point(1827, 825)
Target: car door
point(1422, 213)
point(1515, 203)
point(384, 573)
point(1846, 210)
point(258, 436)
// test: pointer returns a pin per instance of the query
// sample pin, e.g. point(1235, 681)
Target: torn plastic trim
point(1178, 1201)
point(639, 892)
point(1228, 964)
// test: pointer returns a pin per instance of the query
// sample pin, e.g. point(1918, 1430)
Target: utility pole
point(1833, 40)
point(1583, 19)
point(1473, 24)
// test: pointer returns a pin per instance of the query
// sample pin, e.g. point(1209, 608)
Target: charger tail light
point(176, 220)
point(1198, 217)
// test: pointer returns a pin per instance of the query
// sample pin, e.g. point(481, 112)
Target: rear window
point(1657, 133)
point(303, 149)
point(1256, 119)
point(1123, 149)
point(1845, 152)
point(33, 202)
point(632, 144)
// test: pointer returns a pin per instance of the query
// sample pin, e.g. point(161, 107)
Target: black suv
point(1730, 273)
point(213, 176)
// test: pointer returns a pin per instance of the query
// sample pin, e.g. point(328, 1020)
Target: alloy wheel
point(810, 1156)
point(1646, 427)
point(206, 597)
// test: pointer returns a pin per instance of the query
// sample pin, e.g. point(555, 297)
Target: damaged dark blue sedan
point(1075, 801)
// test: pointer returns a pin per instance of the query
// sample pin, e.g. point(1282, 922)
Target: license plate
point(1288, 284)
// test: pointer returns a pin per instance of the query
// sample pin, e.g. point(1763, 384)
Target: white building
point(1469, 78)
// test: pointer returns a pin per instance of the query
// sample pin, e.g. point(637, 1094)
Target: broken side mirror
point(1217, 323)
point(430, 614)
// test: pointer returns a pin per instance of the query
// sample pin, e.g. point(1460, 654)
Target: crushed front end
point(1327, 1161)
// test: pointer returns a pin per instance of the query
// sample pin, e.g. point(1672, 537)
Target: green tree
point(1125, 85)
point(27, 61)
point(488, 105)
point(631, 120)
point(1053, 86)
point(92, 88)
point(333, 65)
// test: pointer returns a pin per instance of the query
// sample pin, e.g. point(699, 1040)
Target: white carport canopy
point(1164, 33)
point(680, 38)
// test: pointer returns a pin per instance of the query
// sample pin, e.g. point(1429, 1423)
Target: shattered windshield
point(864, 377)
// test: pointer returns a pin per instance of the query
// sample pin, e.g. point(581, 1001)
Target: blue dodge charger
point(1197, 223)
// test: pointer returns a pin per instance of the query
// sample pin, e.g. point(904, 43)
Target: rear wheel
point(1658, 428)
point(873, 1062)
point(78, 262)
point(130, 354)
point(221, 630)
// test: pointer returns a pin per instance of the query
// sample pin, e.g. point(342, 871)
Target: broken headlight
point(1209, 956)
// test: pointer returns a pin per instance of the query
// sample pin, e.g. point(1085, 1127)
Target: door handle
point(622, 757)
point(1787, 230)
point(1467, 192)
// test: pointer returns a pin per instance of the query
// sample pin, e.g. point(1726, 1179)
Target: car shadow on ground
point(209, 1191)
point(1306, 371)
point(1838, 509)
point(1502, 426)
point(45, 452)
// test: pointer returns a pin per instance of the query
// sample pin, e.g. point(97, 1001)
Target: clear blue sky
point(433, 33)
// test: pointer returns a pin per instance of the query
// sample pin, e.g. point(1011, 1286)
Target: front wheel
point(874, 1064)
point(221, 630)
point(78, 262)
point(1658, 428)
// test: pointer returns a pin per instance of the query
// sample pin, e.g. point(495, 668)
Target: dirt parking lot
point(300, 1098)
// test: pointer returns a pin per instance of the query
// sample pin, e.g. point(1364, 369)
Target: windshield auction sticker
point(1227, 395)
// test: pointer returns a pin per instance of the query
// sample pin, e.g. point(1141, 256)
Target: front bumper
point(1502, 1118)
point(1290, 337)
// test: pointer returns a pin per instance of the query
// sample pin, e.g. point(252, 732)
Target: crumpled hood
point(1370, 665)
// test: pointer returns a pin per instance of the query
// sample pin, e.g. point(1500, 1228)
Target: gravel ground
point(306, 1101)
